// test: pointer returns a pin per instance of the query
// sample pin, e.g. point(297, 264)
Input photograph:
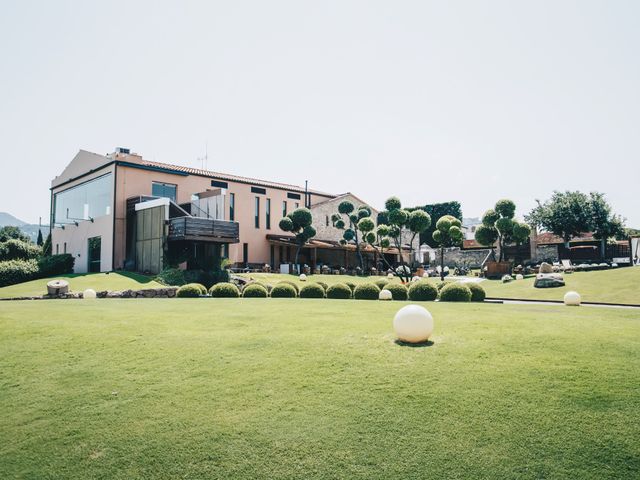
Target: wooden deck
point(203, 230)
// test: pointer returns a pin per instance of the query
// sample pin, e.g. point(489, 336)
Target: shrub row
point(18, 271)
point(15, 249)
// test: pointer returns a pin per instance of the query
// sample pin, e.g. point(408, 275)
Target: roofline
point(344, 195)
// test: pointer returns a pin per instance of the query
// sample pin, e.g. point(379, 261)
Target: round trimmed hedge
point(191, 290)
point(351, 285)
point(423, 292)
point(339, 291)
point(283, 290)
point(312, 290)
point(381, 283)
point(295, 286)
point(224, 290)
point(254, 290)
point(455, 292)
point(324, 285)
point(398, 291)
point(366, 291)
point(477, 292)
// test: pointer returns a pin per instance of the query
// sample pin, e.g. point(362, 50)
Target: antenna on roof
point(204, 161)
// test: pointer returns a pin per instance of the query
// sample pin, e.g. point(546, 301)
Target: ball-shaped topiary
point(289, 282)
point(191, 290)
point(381, 283)
point(366, 291)
point(323, 285)
point(340, 291)
point(283, 290)
point(224, 290)
point(477, 292)
point(351, 285)
point(254, 290)
point(398, 291)
point(312, 290)
point(423, 292)
point(455, 292)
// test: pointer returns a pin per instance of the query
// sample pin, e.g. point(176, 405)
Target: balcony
point(203, 230)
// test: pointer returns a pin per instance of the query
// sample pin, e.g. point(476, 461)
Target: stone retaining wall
point(165, 292)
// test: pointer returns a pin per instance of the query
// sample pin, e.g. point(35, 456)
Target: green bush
point(477, 292)
point(283, 290)
point(455, 292)
point(366, 291)
point(224, 290)
point(398, 291)
point(17, 271)
point(381, 283)
point(174, 277)
point(324, 285)
point(293, 284)
point(191, 290)
point(351, 285)
point(422, 291)
point(312, 290)
point(339, 291)
point(441, 285)
point(15, 249)
point(254, 290)
point(56, 265)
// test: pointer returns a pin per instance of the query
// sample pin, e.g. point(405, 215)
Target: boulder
point(548, 280)
point(545, 268)
point(57, 287)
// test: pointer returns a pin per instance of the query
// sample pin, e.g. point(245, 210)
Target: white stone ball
point(415, 279)
point(89, 293)
point(572, 299)
point(390, 275)
point(303, 277)
point(519, 277)
point(385, 295)
point(413, 324)
point(425, 275)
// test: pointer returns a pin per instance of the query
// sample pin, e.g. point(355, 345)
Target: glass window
point(284, 208)
point(166, 190)
point(95, 248)
point(297, 205)
point(232, 207)
point(86, 201)
point(257, 213)
point(268, 212)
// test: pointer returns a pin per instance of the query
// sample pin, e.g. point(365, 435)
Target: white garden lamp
point(519, 277)
point(572, 299)
point(413, 324)
point(385, 295)
point(89, 294)
point(390, 275)
point(303, 277)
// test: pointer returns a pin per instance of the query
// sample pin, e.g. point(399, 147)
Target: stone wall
point(547, 252)
point(165, 292)
point(471, 258)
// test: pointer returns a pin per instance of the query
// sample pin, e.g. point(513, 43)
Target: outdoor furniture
point(567, 266)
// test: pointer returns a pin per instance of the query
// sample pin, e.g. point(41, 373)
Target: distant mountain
point(8, 220)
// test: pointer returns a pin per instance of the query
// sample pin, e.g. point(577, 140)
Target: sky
point(429, 101)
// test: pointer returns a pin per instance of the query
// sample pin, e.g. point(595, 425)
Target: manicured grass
point(621, 285)
point(80, 282)
point(292, 388)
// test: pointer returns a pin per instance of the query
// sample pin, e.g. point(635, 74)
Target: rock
point(545, 268)
point(548, 280)
point(148, 293)
point(114, 294)
point(507, 278)
point(57, 287)
point(102, 294)
point(171, 292)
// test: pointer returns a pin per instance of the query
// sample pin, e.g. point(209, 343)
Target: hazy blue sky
point(430, 101)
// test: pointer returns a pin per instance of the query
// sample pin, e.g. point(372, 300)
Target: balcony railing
point(203, 229)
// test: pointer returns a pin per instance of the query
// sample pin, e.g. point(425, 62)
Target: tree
point(347, 210)
point(39, 242)
point(13, 233)
point(448, 233)
point(499, 225)
point(46, 248)
point(566, 214)
point(604, 223)
point(299, 223)
point(401, 224)
point(438, 210)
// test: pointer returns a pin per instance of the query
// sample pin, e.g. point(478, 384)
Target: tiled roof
point(234, 178)
point(546, 238)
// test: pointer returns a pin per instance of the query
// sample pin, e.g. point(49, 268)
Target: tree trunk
point(442, 263)
point(358, 252)
point(297, 267)
point(603, 248)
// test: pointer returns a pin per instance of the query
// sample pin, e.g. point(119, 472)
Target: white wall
point(77, 242)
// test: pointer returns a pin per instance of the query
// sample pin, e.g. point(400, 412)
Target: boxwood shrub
point(398, 291)
point(422, 291)
point(366, 291)
point(17, 271)
point(254, 290)
point(312, 290)
point(173, 277)
point(283, 290)
point(339, 291)
point(191, 290)
point(455, 292)
point(477, 292)
point(56, 265)
point(224, 290)
point(381, 283)
point(293, 284)
point(351, 286)
point(323, 285)
point(15, 249)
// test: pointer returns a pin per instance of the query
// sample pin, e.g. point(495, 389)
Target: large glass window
point(268, 213)
point(284, 208)
point(232, 207)
point(95, 248)
point(86, 201)
point(257, 213)
point(166, 190)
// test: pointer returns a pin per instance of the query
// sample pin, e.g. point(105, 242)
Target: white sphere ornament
point(413, 324)
point(89, 293)
point(303, 277)
point(385, 295)
point(519, 277)
point(425, 275)
point(389, 275)
point(572, 299)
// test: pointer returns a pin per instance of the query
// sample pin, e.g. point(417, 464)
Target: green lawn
point(80, 282)
point(292, 388)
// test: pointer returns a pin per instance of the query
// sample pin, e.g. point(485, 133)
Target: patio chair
point(567, 266)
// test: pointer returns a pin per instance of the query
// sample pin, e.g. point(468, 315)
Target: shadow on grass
point(428, 343)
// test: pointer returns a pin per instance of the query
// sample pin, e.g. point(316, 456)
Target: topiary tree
point(366, 291)
point(339, 291)
point(312, 290)
point(39, 241)
point(254, 290)
point(455, 292)
point(498, 224)
point(422, 291)
point(477, 292)
point(224, 290)
point(349, 219)
point(448, 233)
point(398, 291)
point(283, 290)
point(299, 223)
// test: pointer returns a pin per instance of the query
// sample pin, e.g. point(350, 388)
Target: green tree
point(499, 224)
point(39, 242)
point(299, 223)
point(348, 218)
point(565, 214)
point(13, 233)
point(448, 233)
point(438, 210)
point(46, 247)
point(604, 223)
